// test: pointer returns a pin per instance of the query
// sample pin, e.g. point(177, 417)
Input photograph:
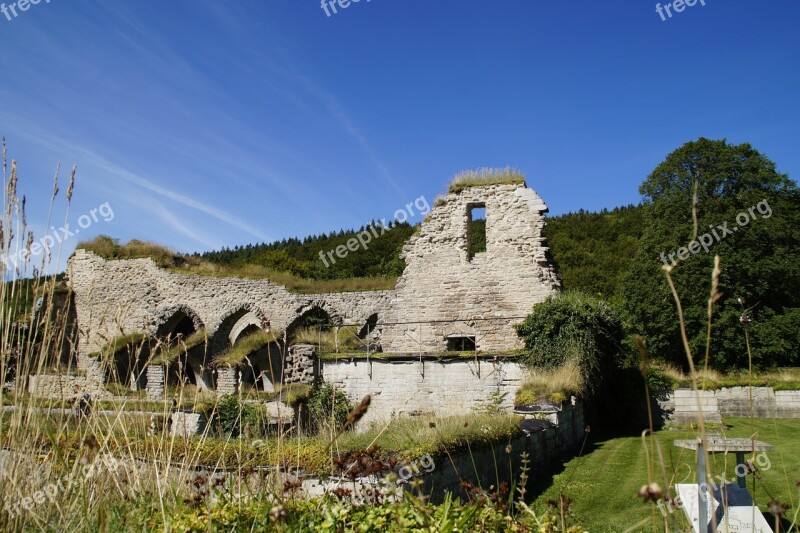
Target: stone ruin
point(449, 297)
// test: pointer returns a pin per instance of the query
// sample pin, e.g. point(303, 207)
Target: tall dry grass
point(552, 384)
point(68, 467)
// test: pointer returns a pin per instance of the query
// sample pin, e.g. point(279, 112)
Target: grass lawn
point(603, 483)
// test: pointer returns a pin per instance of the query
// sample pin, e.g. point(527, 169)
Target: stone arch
point(171, 326)
point(311, 313)
point(236, 319)
point(172, 319)
point(261, 370)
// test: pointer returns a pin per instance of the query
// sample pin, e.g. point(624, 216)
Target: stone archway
point(181, 346)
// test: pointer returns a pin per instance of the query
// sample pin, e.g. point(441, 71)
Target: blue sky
point(212, 123)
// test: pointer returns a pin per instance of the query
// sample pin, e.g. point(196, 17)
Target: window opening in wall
point(476, 229)
point(461, 343)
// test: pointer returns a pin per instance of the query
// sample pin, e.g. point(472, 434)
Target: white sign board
point(741, 514)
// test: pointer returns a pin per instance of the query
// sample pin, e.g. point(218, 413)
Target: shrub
point(573, 327)
point(552, 384)
point(237, 417)
point(328, 407)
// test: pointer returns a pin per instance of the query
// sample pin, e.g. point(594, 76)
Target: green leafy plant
point(573, 327)
point(327, 407)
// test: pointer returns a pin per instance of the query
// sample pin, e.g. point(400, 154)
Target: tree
point(748, 214)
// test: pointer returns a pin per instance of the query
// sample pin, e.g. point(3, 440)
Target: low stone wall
point(62, 386)
point(682, 405)
point(427, 386)
point(487, 466)
point(186, 425)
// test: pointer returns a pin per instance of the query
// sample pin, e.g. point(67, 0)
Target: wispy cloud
point(89, 157)
point(169, 218)
point(291, 71)
point(182, 199)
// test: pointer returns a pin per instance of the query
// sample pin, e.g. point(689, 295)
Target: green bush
point(327, 407)
point(237, 417)
point(574, 326)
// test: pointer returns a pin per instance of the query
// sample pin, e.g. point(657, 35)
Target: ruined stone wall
point(62, 387)
point(444, 292)
point(124, 296)
point(299, 366)
point(488, 292)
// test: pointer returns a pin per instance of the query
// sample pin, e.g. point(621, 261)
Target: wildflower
point(650, 492)
point(278, 513)
point(777, 508)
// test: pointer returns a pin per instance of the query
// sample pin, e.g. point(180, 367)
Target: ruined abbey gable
point(448, 297)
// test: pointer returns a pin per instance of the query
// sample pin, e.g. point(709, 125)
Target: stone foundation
point(187, 424)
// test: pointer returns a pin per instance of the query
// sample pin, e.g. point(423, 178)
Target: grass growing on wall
point(554, 385)
point(245, 346)
point(110, 249)
point(485, 176)
point(127, 342)
point(182, 347)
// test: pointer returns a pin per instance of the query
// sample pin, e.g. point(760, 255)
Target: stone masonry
point(682, 406)
point(299, 365)
point(487, 293)
point(445, 292)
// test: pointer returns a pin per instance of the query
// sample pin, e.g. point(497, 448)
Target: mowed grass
point(603, 484)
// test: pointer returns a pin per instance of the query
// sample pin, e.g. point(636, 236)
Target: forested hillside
point(593, 250)
point(380, 256)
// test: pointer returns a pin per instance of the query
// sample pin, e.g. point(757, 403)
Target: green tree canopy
point(747, 213)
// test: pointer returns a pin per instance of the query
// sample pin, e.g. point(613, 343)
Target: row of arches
point(191, 353)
